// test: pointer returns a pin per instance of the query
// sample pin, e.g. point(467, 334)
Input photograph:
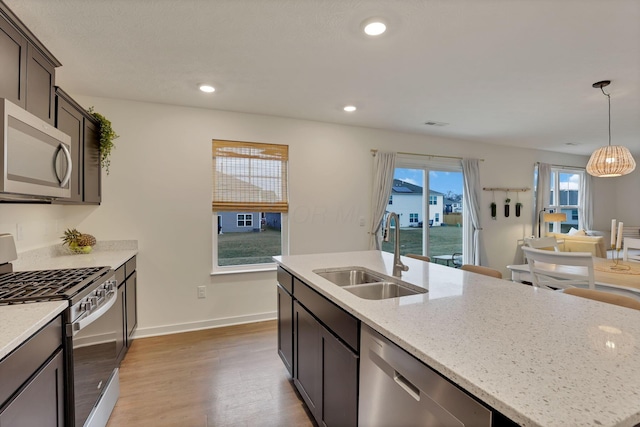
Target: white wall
point(159, 192)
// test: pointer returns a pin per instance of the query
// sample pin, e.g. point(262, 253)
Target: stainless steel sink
point(382, 290)
point(350, 276)
point(368, 284)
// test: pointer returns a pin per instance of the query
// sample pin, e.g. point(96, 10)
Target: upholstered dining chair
point(482, 270)
point(608, 297)
point(630, 243)
point(559, 270)
point(548, 243)
point(420, 257)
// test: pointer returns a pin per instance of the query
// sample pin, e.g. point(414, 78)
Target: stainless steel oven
point(92, 334)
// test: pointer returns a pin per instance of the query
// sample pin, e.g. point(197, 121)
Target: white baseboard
point(207, 324)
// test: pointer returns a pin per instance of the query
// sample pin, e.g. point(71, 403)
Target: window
point(419, 187)
point(391, 199)
point(245, 220)
point(249, 204)
point(564, 197)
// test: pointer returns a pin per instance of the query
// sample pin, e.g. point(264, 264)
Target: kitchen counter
point(20, 321)
point(110, 253)
point(539, 357)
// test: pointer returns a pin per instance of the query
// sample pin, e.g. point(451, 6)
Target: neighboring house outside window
point(249, 204)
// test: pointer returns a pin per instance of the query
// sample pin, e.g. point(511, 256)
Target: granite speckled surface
point(19, 322)
point(541, 358)
point(108, 253)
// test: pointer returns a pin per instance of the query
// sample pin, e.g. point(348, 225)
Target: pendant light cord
point(609, 98)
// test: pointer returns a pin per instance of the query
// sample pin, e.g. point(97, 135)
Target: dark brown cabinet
point(127, 278)
point(13, 63)
point(325, 357)
point(74, 120)
point(27, 68)
point(32, 381)
point(285, 318)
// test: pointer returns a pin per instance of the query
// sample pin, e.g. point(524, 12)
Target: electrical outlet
point(202, 292)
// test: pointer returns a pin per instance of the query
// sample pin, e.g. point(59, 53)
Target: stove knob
point(93, 301)
point(101, 293)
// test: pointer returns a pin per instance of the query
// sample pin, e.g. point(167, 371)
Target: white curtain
point(585, 214)
point(471, 182)
point(384, 165)
point(543, 194)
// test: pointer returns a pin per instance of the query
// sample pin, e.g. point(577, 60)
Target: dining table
point(610, 274)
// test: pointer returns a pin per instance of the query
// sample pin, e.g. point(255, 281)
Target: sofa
point(582, 241)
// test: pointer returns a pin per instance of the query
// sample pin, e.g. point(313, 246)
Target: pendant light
point(610, 160)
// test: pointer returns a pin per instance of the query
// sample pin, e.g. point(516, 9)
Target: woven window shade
point(249, 177)
point(611, 160)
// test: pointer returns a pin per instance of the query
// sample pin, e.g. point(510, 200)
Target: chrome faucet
point(398, 266)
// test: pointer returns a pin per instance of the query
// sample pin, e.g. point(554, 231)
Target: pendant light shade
point(610, 160)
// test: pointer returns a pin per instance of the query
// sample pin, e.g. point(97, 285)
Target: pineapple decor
point(78, 242)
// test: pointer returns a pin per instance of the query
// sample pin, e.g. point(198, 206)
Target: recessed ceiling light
point(207, 88)
point(350, 108)
point(374, 27)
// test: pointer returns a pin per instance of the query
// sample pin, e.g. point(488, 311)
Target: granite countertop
point(109, 253)
point(19, 322)
point(541, 358)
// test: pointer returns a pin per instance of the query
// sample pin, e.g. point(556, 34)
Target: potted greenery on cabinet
point(107, 135)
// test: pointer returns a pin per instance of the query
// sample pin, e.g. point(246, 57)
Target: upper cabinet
point(76, 122)
point(27, 68)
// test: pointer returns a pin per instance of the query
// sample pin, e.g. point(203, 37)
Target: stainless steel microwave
point(35, 156)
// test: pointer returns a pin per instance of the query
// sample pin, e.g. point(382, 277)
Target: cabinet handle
point(406, 385)
point(67, 176)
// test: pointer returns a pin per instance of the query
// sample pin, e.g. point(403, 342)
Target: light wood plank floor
point(228, 376)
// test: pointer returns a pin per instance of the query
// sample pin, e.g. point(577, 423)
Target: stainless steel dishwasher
point(397, 389)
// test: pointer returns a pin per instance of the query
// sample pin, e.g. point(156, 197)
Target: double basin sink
point(368, 284)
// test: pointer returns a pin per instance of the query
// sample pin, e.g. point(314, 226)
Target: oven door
point(96, 348)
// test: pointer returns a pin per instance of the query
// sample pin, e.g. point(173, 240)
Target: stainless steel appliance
point(34, 156)
point(396, 389)
point(91, 343)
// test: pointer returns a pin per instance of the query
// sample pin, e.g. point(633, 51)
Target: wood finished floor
point(228, 376)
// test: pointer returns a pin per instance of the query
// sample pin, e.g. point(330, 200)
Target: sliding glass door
point(428, 198)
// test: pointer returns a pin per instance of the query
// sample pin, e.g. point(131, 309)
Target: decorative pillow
point(574, 232)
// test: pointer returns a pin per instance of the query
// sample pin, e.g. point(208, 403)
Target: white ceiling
point(511, 72)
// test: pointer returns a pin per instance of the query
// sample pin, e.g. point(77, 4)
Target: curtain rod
point(374, 151)
point(564, 166)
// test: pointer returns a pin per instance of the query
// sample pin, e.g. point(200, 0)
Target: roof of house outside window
point(403, 187)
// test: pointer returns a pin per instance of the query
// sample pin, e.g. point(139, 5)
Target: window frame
point(284, 227)
point(555, 205)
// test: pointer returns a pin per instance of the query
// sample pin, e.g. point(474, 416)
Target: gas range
point(71, 284)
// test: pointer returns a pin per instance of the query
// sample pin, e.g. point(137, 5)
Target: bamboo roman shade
point(249, 177)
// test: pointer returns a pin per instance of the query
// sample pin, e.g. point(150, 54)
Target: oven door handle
point(85, 321)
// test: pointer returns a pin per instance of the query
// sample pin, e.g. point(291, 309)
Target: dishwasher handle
point(406, 385)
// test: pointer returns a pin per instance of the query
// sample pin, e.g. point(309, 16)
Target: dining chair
point(608, 297)
point(420, 257)
point(630, 243)
point(547, 243)
point(482, 270)
point(559, 270)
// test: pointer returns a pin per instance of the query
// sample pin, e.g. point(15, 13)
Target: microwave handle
point(67, 176)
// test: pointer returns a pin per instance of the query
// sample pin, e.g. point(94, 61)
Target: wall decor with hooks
point(507, 200)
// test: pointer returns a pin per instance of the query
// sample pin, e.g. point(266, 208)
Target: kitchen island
point(538, 357)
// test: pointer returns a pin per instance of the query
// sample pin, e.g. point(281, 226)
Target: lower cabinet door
point(285, 328)
point(325, 372)
point(41, 402)
point(339, 383)
point(307, 376)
